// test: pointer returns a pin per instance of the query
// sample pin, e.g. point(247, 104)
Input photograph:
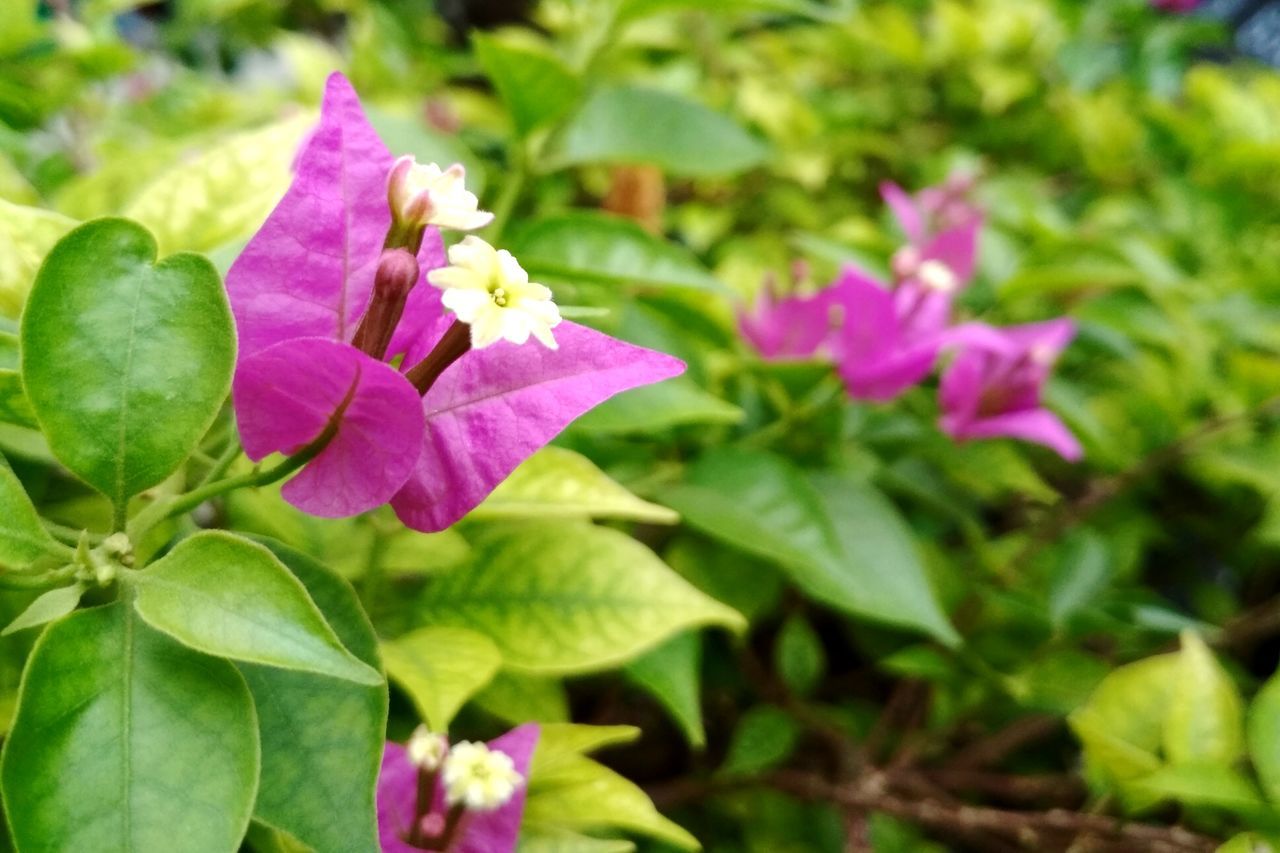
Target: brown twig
point(1041, 830)
point(993, 749)
point(1068, 512)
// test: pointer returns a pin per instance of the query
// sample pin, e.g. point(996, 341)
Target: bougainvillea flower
point(1176, 5)
point(490, 804)
point(930, 277)
point(487, 289)
point(933, 209)
point(425, 194)
point(299, 292)
point(787, 327)
point(879, 353)
point(994, 386)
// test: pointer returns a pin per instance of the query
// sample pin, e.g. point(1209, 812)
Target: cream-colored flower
point(487, 289)
point(427, 749)
point(936, 275)
point(423, 194)
point(480, 778)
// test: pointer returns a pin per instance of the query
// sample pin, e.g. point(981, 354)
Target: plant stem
point(41, 580)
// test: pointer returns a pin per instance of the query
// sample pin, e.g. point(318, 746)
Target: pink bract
point(878, 354)
point(993, 387)
point(298, 292)
point(487, 832)
point(787, 327)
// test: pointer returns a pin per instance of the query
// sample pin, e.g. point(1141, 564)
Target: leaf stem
point(39, 580)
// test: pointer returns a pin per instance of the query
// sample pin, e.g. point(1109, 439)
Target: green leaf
point(125, 361)
point(1263, 733)
point(14, 408)
point(671, 672)
point(561, 741)
point(623, 124)
point(536, 87)
point(1121, 725)
point(560, 598)
point(1197, 784)
point(799, 656)
point(843, 543)
point(535, 838)
point(26, 236)
point(765, 736)
point(596, 248)
point(558, 483)
point(441, 668)
point(580, 794)
point(519, 698)
point(675, 402)
point(224, 192)
point(1250, 842)
point(632, 10)
point(224, 595)
point(125, 741)
point(321, 739)
point(1205, 722)
point(52, 605)
point(23, 538)
point(1084, 572)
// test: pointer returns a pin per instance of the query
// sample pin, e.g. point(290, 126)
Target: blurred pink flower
point(299, 291)
point(787, 327)
point(994, 385)
point(1176, 5)
point(880, 351)
point(932, 210)
point(495, 831)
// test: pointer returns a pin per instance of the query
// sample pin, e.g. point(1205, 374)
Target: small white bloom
point(479, 778)
point(936, 275)
point(423, 194)
point(487, 289)
point(427, 749)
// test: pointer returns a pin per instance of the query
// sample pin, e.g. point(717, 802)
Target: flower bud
point(426, 749)
point(397, 274)
point(905, 262)
point(423, 194)
point(479, 778)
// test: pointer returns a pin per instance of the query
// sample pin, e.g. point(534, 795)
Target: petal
point(497, 831)
point(285, 396)
point(1039, 426)
point(960, 389)
point(308, 272)
point(397, 799)
point(889, 375)
point(869, 330)
point(495, 407)
point(957, 248)
point(904, 210)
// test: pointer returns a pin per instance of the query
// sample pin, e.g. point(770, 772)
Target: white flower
point(936, 275)
point(426, 749)
point(488, 290)
point(479, 778)
point(423, 194)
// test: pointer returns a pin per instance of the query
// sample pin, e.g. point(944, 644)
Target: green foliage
point(321, 738)
point(566, 598)
point(110, 337)
point(225, 596)
point(159, 731)
point(23, 539)
point(441, 668)
point(593, 248)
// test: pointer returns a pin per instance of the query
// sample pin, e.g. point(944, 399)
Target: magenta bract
point(486, 832)
point(993, 387)
point(298, 292)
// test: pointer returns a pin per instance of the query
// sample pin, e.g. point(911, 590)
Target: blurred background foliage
point(1130, 169)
